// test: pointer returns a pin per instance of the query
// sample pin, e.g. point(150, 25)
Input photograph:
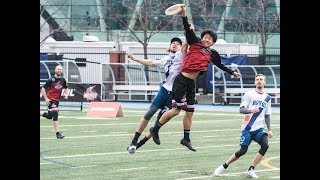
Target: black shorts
point(183, 88)
point(53, 106)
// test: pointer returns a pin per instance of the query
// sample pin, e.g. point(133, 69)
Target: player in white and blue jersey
point(163, 100)
point(256, 105)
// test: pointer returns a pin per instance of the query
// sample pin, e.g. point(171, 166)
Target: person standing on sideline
point(256, 105)
point(171, 63)
point(51, 92)
point(195, 61)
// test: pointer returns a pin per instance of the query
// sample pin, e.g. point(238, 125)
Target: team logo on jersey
point(262, 104)
point(169, 62)
point(58, 85)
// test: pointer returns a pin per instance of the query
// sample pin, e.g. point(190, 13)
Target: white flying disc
point(174, 9)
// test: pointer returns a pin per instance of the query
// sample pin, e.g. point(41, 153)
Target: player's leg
point(166, 107)
point(141, 126)
point(187, 119)
point(54, 111)
point(261, 138)
point(245, 141)
point(47, 114)
point(157, 102)
point(179, 89)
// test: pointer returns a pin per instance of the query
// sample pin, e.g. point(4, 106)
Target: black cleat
point(155, 136)
point(59, 135)
point(187, 144)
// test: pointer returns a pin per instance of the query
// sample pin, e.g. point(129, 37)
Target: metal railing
point(225, 89)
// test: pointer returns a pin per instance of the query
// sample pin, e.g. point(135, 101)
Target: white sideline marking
point(144, 151)
point(89, 131)
point(131, 169)
point(229, 174)
point(212, 136)
point(181, 171)
point(84, 166)
point(275, 177)
point(46, 163)
point(117, 132)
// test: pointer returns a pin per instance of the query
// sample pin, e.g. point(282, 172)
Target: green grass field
point(96, 148)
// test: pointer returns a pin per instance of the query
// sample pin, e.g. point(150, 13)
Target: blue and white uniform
point(172, 66)
point(253, 124)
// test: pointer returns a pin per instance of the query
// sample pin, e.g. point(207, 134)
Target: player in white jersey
point(256, 105)
point(163, 100)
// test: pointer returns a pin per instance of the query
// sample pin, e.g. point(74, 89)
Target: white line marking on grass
point(52, 130)
point(89, 131)
point(228, 174)
point(275, 177)
point(131, 169)
point(46, 163)
point(144, 151)
point(164, 133)
point(211, 136)
point(125, 124)
point(93, 136)
point(199, 177)
point(117, 132)
point(84, 166)
point(181, 171)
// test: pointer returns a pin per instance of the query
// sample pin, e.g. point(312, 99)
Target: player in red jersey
point(51, 92)
point(195, 62)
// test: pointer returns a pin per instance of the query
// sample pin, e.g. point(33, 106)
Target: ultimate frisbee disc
point(174, 9)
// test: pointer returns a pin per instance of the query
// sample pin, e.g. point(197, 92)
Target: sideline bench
point(238, 93)
point(130, 90)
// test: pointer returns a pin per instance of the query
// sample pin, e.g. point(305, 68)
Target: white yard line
point(142, 151)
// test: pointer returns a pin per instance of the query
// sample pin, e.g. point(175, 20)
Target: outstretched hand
point(130, 55)
point(236, 75)
point(183, 9)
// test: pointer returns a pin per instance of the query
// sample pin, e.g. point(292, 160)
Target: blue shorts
point(163, 99)
point(247, 136)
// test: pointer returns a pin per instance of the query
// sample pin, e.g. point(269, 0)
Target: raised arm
point(184, 47)
point(190, 35)
point(146, 62)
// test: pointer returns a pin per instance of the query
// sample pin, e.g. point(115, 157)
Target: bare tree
point(47, 23)
point(257, 21)
point(205, 11)
point(146, 18)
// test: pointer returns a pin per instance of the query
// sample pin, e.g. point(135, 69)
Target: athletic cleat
point(187, 144)
point(251, 174)
point(132, 148)
point(219, 170)
point(59, 135)
point(155, 136)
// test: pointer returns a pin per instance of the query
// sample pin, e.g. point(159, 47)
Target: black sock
point(136, 137)
point(225, 165)
point(157, 126)
point(251, 167)
point(187, 134)
point(142, 141)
